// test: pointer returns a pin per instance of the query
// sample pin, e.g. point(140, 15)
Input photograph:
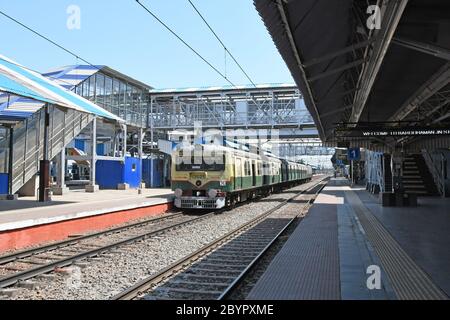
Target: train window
point(203, 166)
point(247, 168)
point(259, 168)
point(238, 167)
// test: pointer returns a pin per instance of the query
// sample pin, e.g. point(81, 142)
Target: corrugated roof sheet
point(23, 83)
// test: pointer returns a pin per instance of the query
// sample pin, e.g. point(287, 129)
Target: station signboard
point(354, 154)
point(410, 131)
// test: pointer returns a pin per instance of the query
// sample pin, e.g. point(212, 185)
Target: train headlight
point(212, 193)
point(178, 193)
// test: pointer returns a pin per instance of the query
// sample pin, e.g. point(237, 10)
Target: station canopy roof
point(225, 88)
point(31, 90)
point(349, 73)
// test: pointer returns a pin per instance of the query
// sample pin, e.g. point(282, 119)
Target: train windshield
point(203, 166)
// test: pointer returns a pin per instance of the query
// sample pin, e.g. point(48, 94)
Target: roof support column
point(140, 156)
point(124, 142)
point(44, 165)
point(151, 143)
point(10, 161)
point(92, 187)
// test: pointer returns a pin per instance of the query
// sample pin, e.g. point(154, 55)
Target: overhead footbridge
point(38, 118)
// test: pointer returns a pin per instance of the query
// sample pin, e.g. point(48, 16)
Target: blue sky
point(120, 34)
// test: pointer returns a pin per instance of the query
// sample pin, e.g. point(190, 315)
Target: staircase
point(417, 178)
point(28, 146)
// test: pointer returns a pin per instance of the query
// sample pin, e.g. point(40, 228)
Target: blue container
point(110, 173)
point(158, 168)
point(100, 149)
point(4, 181)
point(132, 172)
point(80, 144)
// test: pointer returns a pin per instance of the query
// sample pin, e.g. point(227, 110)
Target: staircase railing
point(28, 140)
point(436, 171)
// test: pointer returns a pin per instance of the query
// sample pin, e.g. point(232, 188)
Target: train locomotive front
point(200, 178)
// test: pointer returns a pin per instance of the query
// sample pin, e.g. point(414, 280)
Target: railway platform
point(26, 222)
point(350, 247)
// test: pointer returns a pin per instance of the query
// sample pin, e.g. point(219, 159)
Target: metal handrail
point(436, 172)
point(72, 125)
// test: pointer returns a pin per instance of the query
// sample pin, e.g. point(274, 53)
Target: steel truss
point(433, 110)
point(276, 107)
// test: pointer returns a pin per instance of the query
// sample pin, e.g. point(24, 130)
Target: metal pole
point(140, 155)
point(44, 167)
point(124, 142)
point(151, 142)
point(443, 163)
point(351, 171)
point(62, 168)
point(10, 160)
point(93, 151)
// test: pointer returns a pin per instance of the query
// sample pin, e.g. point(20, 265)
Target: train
point(200, 183)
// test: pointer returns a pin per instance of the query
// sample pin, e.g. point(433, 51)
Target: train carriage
point(213, 177)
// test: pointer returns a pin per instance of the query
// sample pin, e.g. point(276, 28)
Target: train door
point(238, 174)
point(265, 173)
point(253, 173)
point(284, 171)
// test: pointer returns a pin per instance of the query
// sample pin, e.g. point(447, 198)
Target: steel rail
point(227, 292)
point(61, 244)
point(146, 284)
point(33, 272)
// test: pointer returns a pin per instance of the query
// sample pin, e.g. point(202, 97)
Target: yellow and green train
point(202, 182)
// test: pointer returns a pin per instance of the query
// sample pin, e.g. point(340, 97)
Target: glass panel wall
point(108, 93)
point(100, 90)
point(117, 96)
point(90, 92)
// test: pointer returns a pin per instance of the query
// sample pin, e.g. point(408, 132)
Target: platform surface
point(27, 211)
point(334, 250)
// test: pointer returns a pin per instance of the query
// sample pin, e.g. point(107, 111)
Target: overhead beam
point(280, 6)
point(338, 110)
point(338, 53)
point(433, 85)
point(337, 70)
point(336, 97)
point(391, 13)
point(435, 51)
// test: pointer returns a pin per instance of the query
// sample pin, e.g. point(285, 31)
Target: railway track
point(215, 270)
point(27, 264)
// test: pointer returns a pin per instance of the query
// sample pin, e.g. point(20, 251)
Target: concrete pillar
point(61, 188)
point(92, 187)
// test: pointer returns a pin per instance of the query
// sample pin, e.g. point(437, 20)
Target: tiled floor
point(328, 255)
